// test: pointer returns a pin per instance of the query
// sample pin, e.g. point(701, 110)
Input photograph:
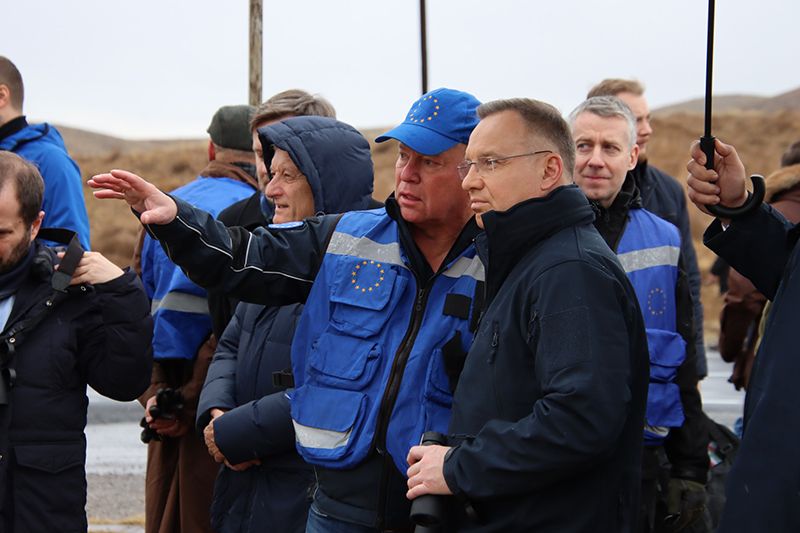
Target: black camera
point(429, 510)
point(169, 404)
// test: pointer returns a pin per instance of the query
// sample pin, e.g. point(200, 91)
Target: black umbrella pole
point(707, 140)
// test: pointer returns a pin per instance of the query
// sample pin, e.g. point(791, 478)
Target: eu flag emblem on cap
point(436, 122)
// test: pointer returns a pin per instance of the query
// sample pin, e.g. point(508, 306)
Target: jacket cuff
point(448, 470)
point(228, 435)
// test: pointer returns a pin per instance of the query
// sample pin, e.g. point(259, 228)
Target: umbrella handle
point(754, 199)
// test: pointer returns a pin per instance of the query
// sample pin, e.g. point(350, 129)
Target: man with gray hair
point(546, 430)
point(604, 130)
point(661, 194)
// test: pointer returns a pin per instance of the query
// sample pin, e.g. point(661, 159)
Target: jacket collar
point(28, 133)
point(510, 235)
point(419, 265)
point(611, 221)
point(13, 126)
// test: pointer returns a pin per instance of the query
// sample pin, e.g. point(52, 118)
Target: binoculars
point(429, 510)
point(169, 404)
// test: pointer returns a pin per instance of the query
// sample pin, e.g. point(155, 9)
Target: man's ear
point(37, 225)
point(5, 95)
point(553, 172)
point(634, 157)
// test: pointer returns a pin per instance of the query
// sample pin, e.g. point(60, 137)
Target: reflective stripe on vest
point(650, 257)
point(181, 302)
point(324, 439)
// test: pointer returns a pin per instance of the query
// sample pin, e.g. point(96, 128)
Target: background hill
point(761, 128)
point(787, 101)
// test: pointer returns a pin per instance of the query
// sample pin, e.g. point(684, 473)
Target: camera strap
point(21, 328)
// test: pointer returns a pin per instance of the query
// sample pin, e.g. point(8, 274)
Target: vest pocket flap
point(324, 410)
point(667, 348)
point(51, 458)
point(664, 405)
point(344, 358)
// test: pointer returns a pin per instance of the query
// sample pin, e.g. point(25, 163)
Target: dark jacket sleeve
point(268, 266)
point(256, 429)
point(687, 446)
point(219, 390)
point(758, 245)
point(116, 352)
point(584, 368)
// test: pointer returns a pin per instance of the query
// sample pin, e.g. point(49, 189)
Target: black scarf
point(10, 281)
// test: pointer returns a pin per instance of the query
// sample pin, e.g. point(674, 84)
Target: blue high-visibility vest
point(649, 251)
point(370, 337)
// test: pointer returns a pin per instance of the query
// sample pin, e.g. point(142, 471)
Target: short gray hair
point(542, 120)
point(607, 107)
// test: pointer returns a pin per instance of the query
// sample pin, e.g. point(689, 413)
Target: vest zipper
point(390, 396)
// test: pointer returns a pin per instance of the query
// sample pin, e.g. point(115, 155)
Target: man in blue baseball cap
point(391, 300)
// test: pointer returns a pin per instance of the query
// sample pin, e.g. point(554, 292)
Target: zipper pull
point(495, 343)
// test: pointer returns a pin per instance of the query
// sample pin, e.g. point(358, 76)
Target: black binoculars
point(429, 510)
point(169, 404)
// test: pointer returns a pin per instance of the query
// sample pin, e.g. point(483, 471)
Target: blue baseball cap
point(436, 122)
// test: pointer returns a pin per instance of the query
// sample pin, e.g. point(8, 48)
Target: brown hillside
point(727, 103)
point(760, 137)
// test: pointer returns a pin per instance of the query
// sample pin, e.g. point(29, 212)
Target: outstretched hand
point(154, 206)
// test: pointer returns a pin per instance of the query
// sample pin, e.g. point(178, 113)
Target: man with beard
point(55, 340)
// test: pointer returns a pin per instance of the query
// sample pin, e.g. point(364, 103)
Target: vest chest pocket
point(343, 362)
point(365, 294)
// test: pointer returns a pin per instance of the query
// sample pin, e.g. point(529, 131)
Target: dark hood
point(334, 157)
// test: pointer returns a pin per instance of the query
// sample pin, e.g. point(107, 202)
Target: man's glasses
point(486, 165)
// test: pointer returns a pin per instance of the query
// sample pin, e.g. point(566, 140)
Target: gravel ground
point(115, 503)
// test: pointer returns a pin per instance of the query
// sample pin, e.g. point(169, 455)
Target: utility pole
point(256, 48)
point(423, 38)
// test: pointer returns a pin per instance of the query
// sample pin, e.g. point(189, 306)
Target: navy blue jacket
point(763, 489)
point(99, 336)
point(550, 406)
point(663, 196)
point(63, 205)
point(257, 342)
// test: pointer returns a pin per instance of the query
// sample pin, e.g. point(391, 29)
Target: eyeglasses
point(487, 165)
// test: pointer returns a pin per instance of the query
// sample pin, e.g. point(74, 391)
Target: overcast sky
point(159, 69)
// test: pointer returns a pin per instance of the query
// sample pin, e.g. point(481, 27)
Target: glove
point(686, 506)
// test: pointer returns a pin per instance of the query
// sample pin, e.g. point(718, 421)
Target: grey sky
point(159, 69)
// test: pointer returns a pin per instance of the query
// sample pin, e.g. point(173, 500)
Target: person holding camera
point(66, 321)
